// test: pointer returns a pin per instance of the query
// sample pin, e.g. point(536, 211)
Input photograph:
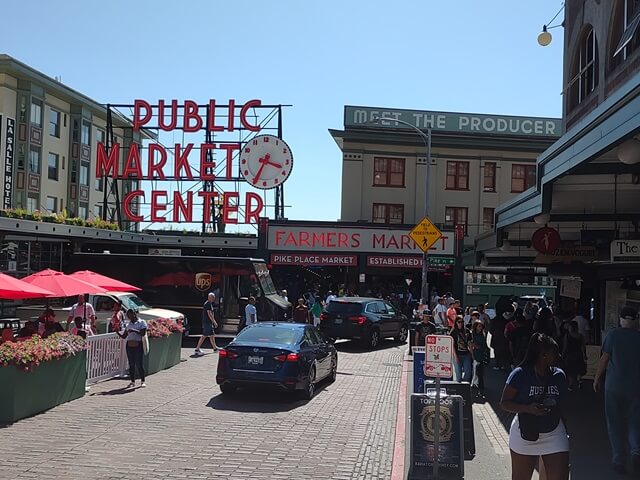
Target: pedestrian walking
point(316, 311)
point(461, 342)
point(535, 391)
point(440, 313)
point(544, 322)
point(83, 310)
point(574, 355)
point(250, 312)
point(301, 312)
point(484, 317)
point(133, 333)
point(452, 313)
point(499, 341)
point(621, 360)
point(518, 337)
point(424, 328)
point(209, 324)
point(481, 355)
point(117, 318)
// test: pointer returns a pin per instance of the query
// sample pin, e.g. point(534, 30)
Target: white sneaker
point(199, 352)
point(143, 385)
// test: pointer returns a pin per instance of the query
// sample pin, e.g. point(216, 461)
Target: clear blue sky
point(465, 56)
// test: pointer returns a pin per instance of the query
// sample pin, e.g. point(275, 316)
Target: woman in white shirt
point(133, 332)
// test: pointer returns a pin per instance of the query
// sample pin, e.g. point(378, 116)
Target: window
point(54, 123)
point(456, 216)
point(97, 211)
point(36, 113)
point(82, 211)
point(624, 38)
point(489, 177)
point(100, 136)
point(457, 175)
point(85, 134)
point(523, 177)
point(99, 182)
point(53, 163)
point(388, 172)
point(52, 204)
point(84, 174)
point(34, 160)
point(584, 74)
point(388, 213)
point(32, 204)
point(487, 218)
point(74, 171)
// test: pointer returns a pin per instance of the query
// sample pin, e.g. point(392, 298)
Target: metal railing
point(106, 357)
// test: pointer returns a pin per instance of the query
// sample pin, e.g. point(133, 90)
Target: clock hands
point(263, 163)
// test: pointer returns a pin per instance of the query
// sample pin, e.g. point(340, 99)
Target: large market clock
point(266, 161)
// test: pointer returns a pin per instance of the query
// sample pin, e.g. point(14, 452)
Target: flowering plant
point(163, 327)
point(28, 354)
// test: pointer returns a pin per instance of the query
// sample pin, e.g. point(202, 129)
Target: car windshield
point(344, 308)
point(134, 302)
point(269, 334)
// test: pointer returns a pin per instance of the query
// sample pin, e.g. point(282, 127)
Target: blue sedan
point(289, 356)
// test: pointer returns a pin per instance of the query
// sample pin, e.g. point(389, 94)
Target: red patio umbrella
point(103, 281)
point(13, 289)
point(61, 285)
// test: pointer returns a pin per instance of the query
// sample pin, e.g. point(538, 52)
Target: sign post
point(438, 364)
point(425, 234)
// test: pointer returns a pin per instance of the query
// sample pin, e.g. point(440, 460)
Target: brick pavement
point(181, 427)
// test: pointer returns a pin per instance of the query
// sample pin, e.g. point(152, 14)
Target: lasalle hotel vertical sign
point(9, 143)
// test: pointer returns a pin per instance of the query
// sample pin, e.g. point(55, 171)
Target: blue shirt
point(623, 371)
point(531, 389)
point(133, 329)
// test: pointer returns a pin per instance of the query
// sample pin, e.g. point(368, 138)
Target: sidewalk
point(589, 441)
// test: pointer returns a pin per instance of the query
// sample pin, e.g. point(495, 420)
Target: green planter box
point(51, 383)
point(164, 353)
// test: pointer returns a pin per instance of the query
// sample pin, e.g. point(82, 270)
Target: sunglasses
point(460, 322)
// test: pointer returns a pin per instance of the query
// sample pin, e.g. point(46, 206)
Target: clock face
point(266, 161)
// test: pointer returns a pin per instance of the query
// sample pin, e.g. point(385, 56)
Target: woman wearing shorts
point(536, 392)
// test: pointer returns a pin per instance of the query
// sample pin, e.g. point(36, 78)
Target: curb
point(400, 442)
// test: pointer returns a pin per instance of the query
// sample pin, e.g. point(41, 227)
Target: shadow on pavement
point(271, 400)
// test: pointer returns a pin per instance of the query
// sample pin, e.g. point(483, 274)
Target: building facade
point(477, 163)
point(48, 139)
point(588, 183)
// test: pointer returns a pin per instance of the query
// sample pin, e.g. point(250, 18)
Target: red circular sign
point(546, 240)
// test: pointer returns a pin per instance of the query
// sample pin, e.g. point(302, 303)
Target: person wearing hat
point(424, 328)
point(621, 360)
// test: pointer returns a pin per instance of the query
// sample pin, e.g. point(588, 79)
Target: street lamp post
point(426, 138)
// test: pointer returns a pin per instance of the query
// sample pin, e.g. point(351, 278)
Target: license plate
point(338, 321)
point(255, 360)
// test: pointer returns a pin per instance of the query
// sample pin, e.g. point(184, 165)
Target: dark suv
point(364, 319)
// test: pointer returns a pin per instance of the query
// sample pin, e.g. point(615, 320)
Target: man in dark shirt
point(301, 312)
point(424, 328)
point(519, 338)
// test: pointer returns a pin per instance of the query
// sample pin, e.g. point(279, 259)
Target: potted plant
point(165, 341)
point(37, 374)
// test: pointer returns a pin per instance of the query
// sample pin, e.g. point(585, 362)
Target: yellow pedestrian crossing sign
point(425, 234)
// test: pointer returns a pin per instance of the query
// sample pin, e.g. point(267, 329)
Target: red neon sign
point(151, 162)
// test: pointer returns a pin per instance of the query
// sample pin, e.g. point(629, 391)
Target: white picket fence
point(106, 357)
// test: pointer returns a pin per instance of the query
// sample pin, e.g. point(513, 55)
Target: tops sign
point(453, 122)
point(190, 162)
point(351, 239)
